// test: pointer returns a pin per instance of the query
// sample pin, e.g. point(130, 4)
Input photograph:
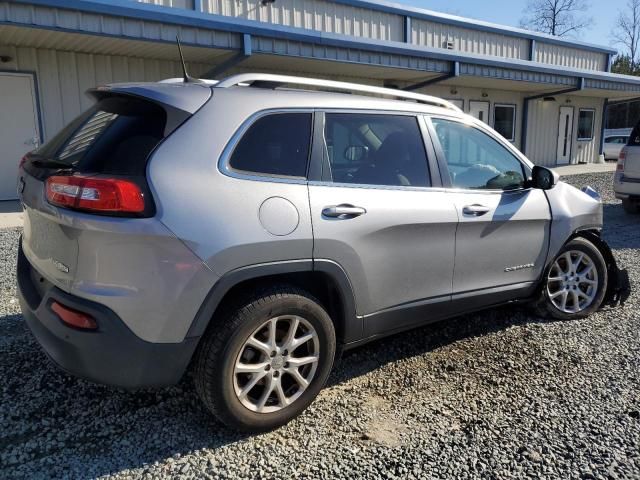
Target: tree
point(623, 65)
point(626, 33)
point(557, 17)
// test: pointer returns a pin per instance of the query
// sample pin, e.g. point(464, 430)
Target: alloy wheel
point(276, 364)
point(572, 283)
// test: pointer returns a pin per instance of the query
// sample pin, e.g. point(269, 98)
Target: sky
point(509, 12)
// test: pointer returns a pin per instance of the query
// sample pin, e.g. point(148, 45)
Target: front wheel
point(266, 360)
point(576, 282)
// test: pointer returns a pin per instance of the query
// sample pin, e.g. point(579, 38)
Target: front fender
point(571, 211)
point(618, 286)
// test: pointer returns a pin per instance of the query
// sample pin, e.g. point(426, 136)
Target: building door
point(565, 135)
point(480, 110)
point(19, 133)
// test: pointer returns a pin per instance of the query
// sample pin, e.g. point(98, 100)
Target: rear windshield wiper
point(51, 164)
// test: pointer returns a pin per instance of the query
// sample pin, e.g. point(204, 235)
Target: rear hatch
point(632, 154)
point(109, 144)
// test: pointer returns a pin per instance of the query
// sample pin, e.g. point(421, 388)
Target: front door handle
point(475, 210)
point(343, 211)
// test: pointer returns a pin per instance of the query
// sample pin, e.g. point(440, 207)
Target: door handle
point(343, 211)
point(475, 210)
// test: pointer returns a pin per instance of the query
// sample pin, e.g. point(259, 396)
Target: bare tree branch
point(557, 17)
point(627, 31)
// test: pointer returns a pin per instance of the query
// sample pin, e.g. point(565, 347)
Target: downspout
point(236, 59)
point(605, 106)
point(455, 72)
point(525, 109)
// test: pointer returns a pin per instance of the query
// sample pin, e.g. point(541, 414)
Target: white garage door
point(19, 131)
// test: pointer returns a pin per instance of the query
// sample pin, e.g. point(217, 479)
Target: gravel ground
point(499, 394)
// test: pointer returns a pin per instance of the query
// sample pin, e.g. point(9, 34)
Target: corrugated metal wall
point(63, 77)
point(171, 3)
point(314, 15)
point(327, 16)
point(436, 35)
point(542, 142)
point(570, 57)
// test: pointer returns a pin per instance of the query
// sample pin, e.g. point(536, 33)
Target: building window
point(276, 144)
point(586, 120)
point(504, 121)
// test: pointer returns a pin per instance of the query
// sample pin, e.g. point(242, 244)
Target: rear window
point(634, 139)
point(276, 144)
point(115, 136)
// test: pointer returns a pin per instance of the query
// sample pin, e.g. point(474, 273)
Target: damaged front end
point(618, 285)
point(579, 213)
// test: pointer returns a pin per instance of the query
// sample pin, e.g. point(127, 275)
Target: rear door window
point(115, 136)
point(375, 149)
point(277, 145)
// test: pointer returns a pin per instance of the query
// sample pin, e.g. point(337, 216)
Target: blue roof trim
point(150, 12)
point(424, 14)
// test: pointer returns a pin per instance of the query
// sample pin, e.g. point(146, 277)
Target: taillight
point(92, 194)
point(22, 161)
point(621, 158)
point(73, 317)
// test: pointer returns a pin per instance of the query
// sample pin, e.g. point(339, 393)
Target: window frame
point(478, 125)
point(593, 125)
point(513, 121)
point(225, 167)
point(318, 154)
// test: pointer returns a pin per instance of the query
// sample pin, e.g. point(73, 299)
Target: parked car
point(626, 181)
point(613, 145)
point(252, 232)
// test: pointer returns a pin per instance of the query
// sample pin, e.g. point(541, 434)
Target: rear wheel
point(630, 205)
point(576, 282)
point(267, 360)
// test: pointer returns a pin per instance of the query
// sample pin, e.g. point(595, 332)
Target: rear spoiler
point(179, 100)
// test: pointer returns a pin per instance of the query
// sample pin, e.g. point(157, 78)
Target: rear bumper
point(112, 355)
point(625, 187)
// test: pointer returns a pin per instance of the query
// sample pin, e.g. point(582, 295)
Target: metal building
point(545, 94)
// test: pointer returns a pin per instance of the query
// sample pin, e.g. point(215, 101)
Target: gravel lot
point(499, 394)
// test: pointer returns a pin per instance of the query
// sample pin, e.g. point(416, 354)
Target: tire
point(225, 350)
point(630, 205)
point(550, 305)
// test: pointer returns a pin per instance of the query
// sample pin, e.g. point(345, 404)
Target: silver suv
point(251, 231)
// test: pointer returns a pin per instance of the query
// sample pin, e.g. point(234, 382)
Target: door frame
point(36, 92)
point(573, 118)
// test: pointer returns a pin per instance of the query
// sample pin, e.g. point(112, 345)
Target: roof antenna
point(185, 75)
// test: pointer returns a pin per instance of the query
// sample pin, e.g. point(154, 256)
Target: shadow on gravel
point(362, 360)
point(620, 227)
point(54, 425)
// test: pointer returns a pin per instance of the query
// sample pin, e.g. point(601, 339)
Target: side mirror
point(543, 178)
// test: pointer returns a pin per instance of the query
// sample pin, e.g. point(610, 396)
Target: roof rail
point(181, 80)
point(267, 80)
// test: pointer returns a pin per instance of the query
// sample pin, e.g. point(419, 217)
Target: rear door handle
point(343, 211)
point(475, 210)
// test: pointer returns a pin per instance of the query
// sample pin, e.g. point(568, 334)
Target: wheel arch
point(324, 279)
point(618, 287)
